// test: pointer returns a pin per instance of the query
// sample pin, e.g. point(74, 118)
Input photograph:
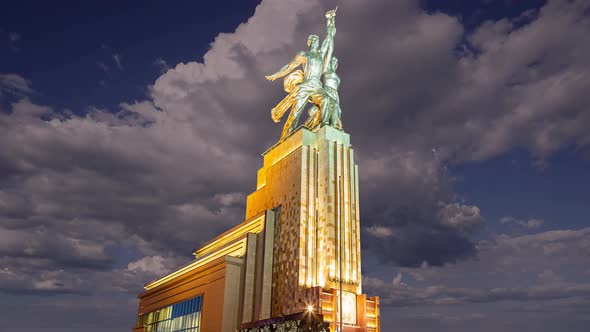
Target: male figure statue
point(307, 90)
point(328, 113)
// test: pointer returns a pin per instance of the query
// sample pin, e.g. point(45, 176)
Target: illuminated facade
point(312, 177)
point(301, 238)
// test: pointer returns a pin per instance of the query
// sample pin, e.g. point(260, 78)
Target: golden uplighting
point(237, 249)
point(252, 226)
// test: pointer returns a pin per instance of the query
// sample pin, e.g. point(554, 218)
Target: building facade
point(297, 251)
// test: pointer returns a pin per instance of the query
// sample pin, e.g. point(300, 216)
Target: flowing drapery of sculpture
point(305, 86)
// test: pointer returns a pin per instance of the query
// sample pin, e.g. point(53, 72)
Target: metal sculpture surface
point(306, 86)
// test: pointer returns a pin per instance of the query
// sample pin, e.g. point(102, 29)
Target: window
point(183, 316)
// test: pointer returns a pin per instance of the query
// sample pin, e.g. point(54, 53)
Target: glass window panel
point(175, 310)
point(182, 316)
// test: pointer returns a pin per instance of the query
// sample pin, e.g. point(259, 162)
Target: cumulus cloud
point(228, 199)
point(548, 276)
point(533, 259)
point(438, 295)
point(528, 224)
point(380, 231)
point(162, 65)
point(118, 61)
point(156, 265)
point(397, 281)
point(45, 244)
point(13, 40)
point(461, 217)
point(514, 85)
point(15, 85)
point(403, 196)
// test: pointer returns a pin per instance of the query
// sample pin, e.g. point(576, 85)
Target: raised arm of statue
point(327, 55)
point(328, 43)
point(299, 59)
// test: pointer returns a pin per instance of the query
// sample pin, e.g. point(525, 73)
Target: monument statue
point(294, 263)
point(328, 112)
point(303, 86)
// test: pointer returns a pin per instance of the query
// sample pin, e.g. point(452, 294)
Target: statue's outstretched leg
point(287, 128)
point(299, 106)
point(293, 118)
point(314, 118)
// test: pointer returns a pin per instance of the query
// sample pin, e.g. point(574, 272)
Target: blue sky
point(513, 185)
point(130, 133)
point(69, 40)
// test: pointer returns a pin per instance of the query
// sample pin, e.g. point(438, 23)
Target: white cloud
point(527, 263)
point(528, 224)
point(548, 276)
point(380, 231)
point(151, 264)
point(228, 199)
point(15, 85)
point(162, 65)
point(117, 59)
point(13, 39)
point(461, 217)
point(397, 281)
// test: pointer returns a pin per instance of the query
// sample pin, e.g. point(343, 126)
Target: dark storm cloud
point(80, 186)
point(450, 296)
point(421, 99)
point(415, 244)
point(556, 260)
point(42, 243)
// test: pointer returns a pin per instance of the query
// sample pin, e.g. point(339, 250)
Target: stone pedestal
point(312, 179)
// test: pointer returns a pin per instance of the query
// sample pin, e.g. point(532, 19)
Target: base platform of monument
point(302, 321)
point(312, 180)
